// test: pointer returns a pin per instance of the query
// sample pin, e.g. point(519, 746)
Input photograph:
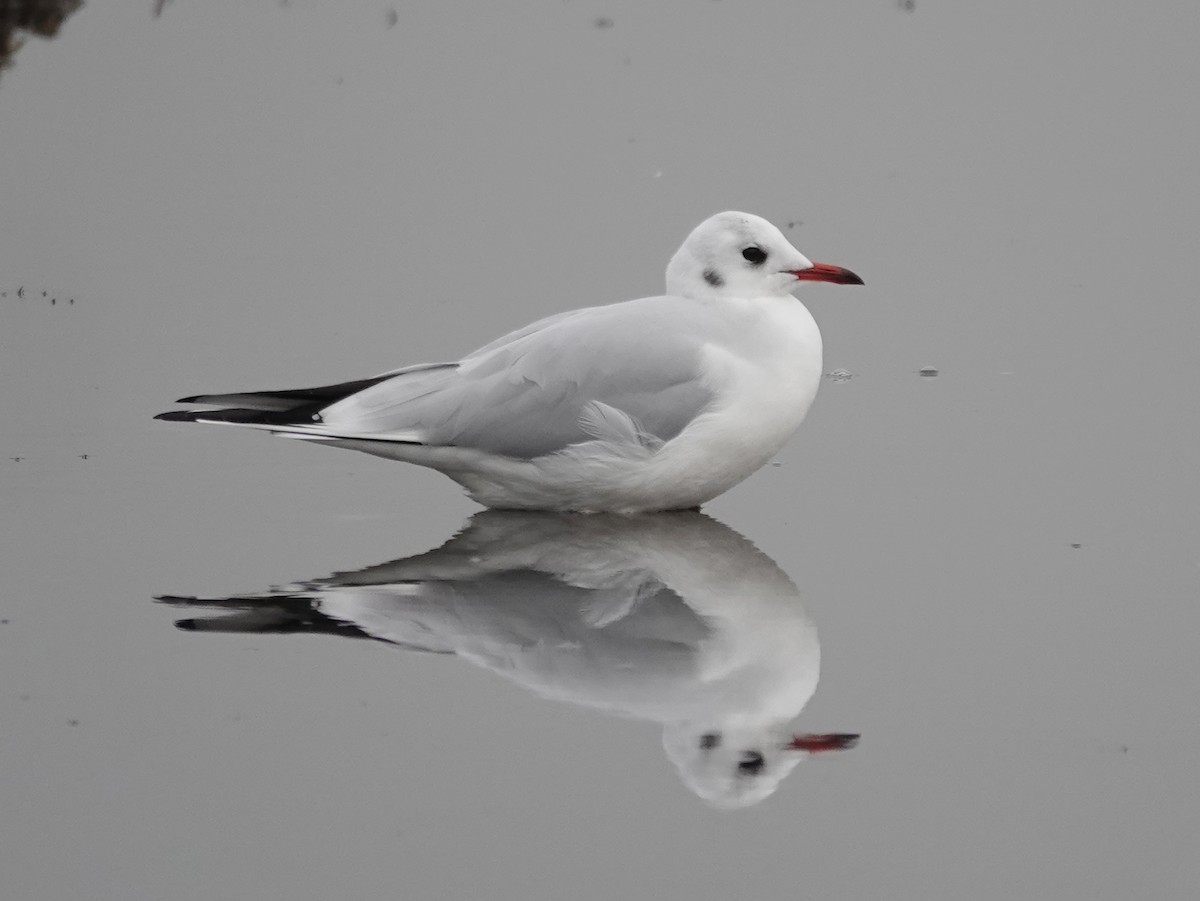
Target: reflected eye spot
point(755, 255)
point(710, 740)
point(752, 763)
point(711, 276)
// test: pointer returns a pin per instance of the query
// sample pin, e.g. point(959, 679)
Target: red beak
point(823, 272)
point(826, 741)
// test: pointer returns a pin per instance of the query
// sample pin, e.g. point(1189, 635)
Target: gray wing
point(628, 371)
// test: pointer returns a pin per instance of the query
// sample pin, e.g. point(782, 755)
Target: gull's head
point(732, 767)
point(743, 255)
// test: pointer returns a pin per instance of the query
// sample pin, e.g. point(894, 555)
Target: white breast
point(765, 373)
point(763, 368)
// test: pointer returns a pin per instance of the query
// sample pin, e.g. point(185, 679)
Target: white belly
point(764, 375)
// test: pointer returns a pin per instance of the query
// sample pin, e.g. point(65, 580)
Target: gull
point(671, 618)
point(660, 403)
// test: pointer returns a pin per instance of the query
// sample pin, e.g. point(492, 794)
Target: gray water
point(997, 565)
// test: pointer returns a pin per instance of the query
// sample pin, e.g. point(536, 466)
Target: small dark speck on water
point(16, 459)
point(3, 622)
point(929, 373)
point(72, 722)
point(392, 18)
point(53, 300)
point(907, 5)
point(83, 456)
point(794, 223)
point(1077, 546)
point(776, 464)
point(43, 294)
point(603, 22)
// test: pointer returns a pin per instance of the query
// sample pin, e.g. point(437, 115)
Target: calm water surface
point(1001, 560)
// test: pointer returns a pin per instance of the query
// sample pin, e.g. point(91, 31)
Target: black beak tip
point(851, 279)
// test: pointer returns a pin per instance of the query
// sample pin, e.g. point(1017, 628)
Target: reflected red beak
point(826, 741)
point(824, 272)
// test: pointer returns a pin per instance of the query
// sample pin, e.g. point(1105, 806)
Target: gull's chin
point(785, 283)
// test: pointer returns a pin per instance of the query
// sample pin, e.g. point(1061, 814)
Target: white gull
point(653, 404)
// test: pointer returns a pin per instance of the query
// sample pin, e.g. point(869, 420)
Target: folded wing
point(609, 373)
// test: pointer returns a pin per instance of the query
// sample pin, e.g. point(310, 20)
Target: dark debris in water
point(40, 17)
point(603, 22)
point(929, 373)
point(22, 459)
point(21, 292)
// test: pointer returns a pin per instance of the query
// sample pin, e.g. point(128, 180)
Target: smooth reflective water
point(1002, 558)
point(672, 618)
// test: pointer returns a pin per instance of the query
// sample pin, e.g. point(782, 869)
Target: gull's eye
point(755, 255)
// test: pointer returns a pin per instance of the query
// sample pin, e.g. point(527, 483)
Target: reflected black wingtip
point(177, 416)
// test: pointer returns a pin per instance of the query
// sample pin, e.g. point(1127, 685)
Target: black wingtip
point(187, 625)
point(177, 416)
point(189, 400)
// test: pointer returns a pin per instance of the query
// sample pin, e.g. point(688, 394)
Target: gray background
point(251, 195)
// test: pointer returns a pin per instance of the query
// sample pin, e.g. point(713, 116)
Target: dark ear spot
point(711, 276)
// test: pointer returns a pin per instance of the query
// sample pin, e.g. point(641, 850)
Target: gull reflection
point(670, 617)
